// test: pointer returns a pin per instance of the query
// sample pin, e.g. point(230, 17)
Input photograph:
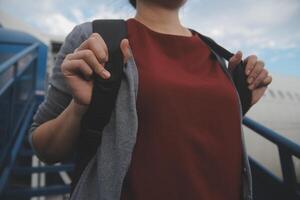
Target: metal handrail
point(17, 123)
point(6, 172)
point(286, 148)
point(11, 61)
point(273, 136)
point(25, 69)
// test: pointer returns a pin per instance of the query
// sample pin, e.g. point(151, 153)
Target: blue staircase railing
point(266, 184)
point(17, 90)
point(22, 86)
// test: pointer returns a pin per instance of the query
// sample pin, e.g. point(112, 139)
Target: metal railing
point(20, 68)
point(287, 149)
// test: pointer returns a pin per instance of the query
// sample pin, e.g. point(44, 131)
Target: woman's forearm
point(55, 139)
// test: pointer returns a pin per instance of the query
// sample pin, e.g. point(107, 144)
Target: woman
point(188, 143)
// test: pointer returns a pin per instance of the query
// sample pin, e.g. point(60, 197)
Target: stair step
point(34, 192)
point(43, 169)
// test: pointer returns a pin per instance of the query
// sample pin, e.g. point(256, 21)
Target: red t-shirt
point(188, 141)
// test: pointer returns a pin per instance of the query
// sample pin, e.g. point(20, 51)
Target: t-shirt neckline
point(194, 35)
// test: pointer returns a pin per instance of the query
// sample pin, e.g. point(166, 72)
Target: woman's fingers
point(71, 67)
point(256, 70)
point(261, 76)
point(95, 54)
point(250, 63)
point(89, 57)
point(235, 60)
point(97, 47)
point(96, 44)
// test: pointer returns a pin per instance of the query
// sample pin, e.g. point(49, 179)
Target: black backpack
point(105, 91)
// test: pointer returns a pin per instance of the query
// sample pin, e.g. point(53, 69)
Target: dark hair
point(133, 3)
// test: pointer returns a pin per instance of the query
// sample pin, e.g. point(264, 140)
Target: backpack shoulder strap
point(105, 90)
point(104, 95)
point(238, 74)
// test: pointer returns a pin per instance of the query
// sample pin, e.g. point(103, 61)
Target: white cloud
point(105, 12)
point(255, 24)
point(247, 24)
point(57, 18)
point(55, 24)
point(78, 15)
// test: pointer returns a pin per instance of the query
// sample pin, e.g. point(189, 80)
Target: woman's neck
point(160, 19)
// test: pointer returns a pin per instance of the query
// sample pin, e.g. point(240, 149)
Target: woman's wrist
point(78, 109)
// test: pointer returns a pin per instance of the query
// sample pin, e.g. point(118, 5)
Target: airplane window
point(290, 95)
point(272, 93)
point(281, 94)
point(298, 96)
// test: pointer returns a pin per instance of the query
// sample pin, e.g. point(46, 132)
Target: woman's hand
point(257, 76)
point(78, 67)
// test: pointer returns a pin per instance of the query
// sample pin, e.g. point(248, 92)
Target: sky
point(269, 29)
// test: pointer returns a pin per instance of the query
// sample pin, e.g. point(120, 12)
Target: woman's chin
point(169, 4)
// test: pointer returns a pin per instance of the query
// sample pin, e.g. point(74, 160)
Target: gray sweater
point(103, 177)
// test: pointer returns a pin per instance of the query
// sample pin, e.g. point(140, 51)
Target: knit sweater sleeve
point(58, 94)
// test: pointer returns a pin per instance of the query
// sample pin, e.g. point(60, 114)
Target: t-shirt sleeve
point(58, 94)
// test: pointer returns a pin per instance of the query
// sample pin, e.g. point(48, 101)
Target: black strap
point(105, 90)
point(238, 74)
point(103, 95)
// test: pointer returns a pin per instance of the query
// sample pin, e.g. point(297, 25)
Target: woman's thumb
point(125, 48)
point(235, 60)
